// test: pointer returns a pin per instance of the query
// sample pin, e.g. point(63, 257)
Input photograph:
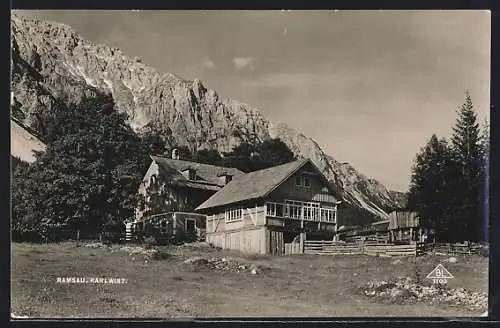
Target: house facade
point(172, 188)
point(181, 185)
point(262, 211)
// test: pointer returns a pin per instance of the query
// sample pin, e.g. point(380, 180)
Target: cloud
point(208, 63)
point(243, 62)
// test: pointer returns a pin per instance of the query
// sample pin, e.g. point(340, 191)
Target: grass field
point(299, 285)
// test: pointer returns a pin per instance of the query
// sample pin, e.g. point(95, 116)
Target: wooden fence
point(452, 249)
point(330, 247)
point(333, 248)
point(362, 239)
point(390, 250)
point(374, 249)
point(293, 248)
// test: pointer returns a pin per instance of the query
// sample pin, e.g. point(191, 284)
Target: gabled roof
point(256, 184)
point(207, 176)
point(401, 209)
point(381, 222)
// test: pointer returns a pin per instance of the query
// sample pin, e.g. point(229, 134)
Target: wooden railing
point(293, 248)
point(390, 250)
point(325, 247)
point(299, 212)
point(451, 249)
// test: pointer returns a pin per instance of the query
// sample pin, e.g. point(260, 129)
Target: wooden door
point(276, 242)
point(190, 225)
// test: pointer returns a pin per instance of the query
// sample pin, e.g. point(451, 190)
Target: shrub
point(150, 240)
point(161, 255)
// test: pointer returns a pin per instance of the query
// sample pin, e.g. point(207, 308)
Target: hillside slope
point(23, 143)
point(52, 63)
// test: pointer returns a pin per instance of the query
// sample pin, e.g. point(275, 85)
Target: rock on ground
point(224, 265)
point(94, 245)
point(132, 249)
point(406, 290)
point(196, 260)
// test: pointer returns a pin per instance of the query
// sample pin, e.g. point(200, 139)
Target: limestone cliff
point(51, 63)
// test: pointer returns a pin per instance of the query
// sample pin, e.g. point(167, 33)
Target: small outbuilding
point(404, 226)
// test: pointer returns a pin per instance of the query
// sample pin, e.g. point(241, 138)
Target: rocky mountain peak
point(51, 62)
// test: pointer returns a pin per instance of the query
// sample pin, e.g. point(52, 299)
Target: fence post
point(301, 242)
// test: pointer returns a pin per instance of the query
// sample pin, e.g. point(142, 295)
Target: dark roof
point(401, 209)
point(255, 184)
point(381, 222)
point(207, 176)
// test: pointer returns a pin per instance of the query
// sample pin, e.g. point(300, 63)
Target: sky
point(370, 87)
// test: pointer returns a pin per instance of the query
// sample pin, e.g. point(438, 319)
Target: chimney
point(225, 178)
point(175, 153)
point(189, 173)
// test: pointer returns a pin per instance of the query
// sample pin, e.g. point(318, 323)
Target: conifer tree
point(468, 154)
point(430, 188)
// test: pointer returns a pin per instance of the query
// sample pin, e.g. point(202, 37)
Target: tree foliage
point(154, 144)
point(158, 198)
point(207, 156)
point(251, 157)
point(449, 181)
point(246, 157)
point(87, 177)
point(469, 154)
point(430, 188)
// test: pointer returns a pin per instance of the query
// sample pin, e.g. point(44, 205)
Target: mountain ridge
point(51, 63)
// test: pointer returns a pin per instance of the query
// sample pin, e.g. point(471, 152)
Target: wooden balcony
point(301, 212)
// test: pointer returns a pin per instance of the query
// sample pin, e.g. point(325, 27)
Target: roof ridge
point(280, 165)
point(197, 163)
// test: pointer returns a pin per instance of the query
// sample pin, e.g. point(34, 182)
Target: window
point(234, 214)
point(163, 227)
point(302, 181)
point(297, 209)
point(328, 214)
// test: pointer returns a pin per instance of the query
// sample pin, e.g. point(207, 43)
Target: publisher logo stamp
point(440, 275)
